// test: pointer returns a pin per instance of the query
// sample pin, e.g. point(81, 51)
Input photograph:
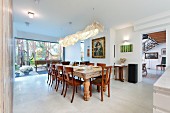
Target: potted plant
point(26, 69)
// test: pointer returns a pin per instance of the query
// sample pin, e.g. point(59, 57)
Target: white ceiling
point(52, 17)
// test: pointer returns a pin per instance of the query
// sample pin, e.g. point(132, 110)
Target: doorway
point(153, 56)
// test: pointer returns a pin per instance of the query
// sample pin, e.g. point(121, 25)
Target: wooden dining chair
point(71, 81)
point(75, 63)
point(65, 63)
point(53, 74)
point(82, 63)
point(103, 81)
point(90, 64)
point(60, 78)
point(49, 73)
point(101, 64)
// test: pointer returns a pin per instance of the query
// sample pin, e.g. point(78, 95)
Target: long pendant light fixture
point(90, 31)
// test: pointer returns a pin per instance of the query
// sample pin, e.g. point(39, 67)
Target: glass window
point(82, 50)
point(27, 51)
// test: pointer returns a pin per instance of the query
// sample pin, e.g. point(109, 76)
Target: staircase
point(148, 43)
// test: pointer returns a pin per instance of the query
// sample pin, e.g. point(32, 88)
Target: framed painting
point(151, 55)
point(126, 48)
point(98, 48)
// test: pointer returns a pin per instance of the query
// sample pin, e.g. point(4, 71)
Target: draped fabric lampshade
point(90, 31)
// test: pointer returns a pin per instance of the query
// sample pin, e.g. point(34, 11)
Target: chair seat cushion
point(161, 65)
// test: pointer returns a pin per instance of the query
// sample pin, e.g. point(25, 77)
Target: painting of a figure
point(98, 48)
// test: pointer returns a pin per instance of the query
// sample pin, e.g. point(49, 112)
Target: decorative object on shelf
point(151, 55)
point(163, 51)
point(26, 69)
point(126, 48)
point(122, 61)
point(90, 31)
point(98, 48)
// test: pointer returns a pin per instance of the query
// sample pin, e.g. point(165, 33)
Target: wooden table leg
point(115, 72)
point(104, 88)
point(86, 89)
point(121, 74)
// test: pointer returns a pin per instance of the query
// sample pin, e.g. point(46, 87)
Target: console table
point(119, 76)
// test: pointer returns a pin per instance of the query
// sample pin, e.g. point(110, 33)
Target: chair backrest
point(101, 64)
point(48, 68)
point(86, 62)
point(66, 63)
point(68, 73)
point(82, 63)
point(163, 61)
point(76, 63)
point(106, 73)
point(55, 61)
point(59, 70)
point(53, 69)
point(90, 64)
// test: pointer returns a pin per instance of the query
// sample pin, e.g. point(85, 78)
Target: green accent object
point(126, 48)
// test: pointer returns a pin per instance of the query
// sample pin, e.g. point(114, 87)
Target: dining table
point(86, 73)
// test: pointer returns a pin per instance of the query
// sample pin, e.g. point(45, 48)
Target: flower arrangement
point(122, 60)
point(26, 69)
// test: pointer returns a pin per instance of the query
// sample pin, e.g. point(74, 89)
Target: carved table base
point(86, 90)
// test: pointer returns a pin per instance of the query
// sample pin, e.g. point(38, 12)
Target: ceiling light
point(31, 15)
point(90, 31)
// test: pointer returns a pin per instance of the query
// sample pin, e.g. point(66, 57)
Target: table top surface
point(84, 68)
point(84, 71)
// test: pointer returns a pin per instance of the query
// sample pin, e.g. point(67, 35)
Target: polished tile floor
point(33, 95)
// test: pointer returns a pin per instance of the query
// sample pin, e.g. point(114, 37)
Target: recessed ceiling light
point(31, 15)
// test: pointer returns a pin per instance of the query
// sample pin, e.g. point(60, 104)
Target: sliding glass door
point(27, 51)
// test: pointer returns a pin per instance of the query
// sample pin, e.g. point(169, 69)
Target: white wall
point(151, 63)
point(132, 57)
point(106, 60)
point(111, 46)
point(27, 35)
point(14, 30)
point(86, 46)
point(73, 53)
point(69, 56)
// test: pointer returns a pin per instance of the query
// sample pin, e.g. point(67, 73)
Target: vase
point(122, 64)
